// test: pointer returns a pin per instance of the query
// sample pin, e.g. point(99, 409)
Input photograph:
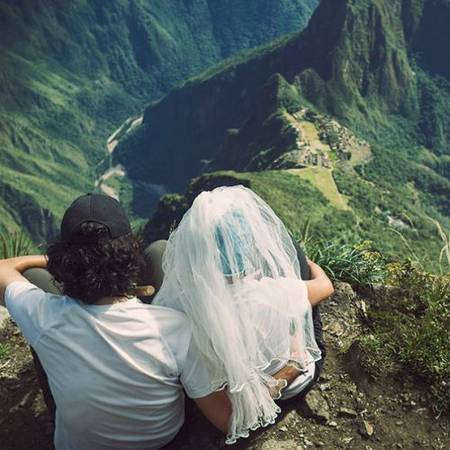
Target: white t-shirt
point(116, 371)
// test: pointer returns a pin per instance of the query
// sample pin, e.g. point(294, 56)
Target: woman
point(232, 267)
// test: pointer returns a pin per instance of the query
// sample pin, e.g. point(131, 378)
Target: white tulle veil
point(229, 260)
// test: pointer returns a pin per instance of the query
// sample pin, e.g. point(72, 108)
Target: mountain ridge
point(364, 72)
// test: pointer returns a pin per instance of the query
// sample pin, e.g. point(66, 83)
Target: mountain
point(72, 72)
point(357, 104)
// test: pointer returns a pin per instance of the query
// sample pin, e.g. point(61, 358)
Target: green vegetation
point(5, 351)
point(409, 325)
point(408, 317)
point(15, 243)
point(355, 264)
point(72, 75)
point(323, 179)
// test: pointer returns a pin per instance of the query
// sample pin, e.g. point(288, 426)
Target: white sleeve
point(194, 375)
point(31, 308)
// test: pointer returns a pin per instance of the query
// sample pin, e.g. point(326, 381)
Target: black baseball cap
point(97, 208)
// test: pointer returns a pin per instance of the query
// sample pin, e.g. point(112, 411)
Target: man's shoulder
point(28, 292)
point(166, 314)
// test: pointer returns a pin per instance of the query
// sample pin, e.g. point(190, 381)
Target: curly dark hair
point(90, 271)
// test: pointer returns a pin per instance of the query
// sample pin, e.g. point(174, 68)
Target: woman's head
point(234, 243)
point(238, 234)
point(97, 255)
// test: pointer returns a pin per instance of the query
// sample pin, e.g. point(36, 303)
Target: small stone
point(332, 424)
point(366, 429)
point(347, 440)
point(324, 386)
point(308, 443)
point(399, 445)
point(283, 429)
point(342, 289)
point(274, 444)
point(399, 422)
point(335, 328)
point(316, 406)
point(319, 443)
point(347, 412)
point(362, 309)
point(4, 317)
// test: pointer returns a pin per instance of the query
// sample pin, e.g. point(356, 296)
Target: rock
point(274, 444)
point(361, 307)
point(366, 429)
point(347, 412)
point(4, 316)
point(324, 387)
point(335, 328)
point(314, 405)
point(343, 290)
point(332, 424)
point(319, 443)
point(283, 428)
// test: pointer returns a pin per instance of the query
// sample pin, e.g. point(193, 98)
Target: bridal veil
point(232, 268)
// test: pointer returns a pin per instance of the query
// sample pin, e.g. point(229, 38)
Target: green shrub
point(412, 327)
point(5, 351)
point(355, 264)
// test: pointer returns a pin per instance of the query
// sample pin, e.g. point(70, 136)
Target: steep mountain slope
point(365, 63)
point(70, 73)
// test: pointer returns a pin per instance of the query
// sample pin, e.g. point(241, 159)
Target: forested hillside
point(72, 72)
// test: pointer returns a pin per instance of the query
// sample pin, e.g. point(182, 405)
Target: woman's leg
point(43, 280)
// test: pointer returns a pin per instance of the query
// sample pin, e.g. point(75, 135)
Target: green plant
point(355, 264)
point(14, 243)
point(5, 351)
point(445, 251)
point(410, 325)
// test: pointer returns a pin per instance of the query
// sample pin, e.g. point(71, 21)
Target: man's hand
point(319, 286)
point(11, 270)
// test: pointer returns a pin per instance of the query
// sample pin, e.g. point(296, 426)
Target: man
point(116, 366)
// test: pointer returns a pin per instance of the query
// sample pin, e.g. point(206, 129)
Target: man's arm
point(11, 270)
point(319, 286)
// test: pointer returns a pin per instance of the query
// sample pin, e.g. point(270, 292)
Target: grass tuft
point(16, 243)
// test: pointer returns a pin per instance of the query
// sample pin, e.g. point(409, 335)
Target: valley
point(70, 74)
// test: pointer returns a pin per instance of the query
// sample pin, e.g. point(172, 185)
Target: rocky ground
point(346, 410)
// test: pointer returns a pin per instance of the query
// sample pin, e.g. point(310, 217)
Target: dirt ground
point(346, 410)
